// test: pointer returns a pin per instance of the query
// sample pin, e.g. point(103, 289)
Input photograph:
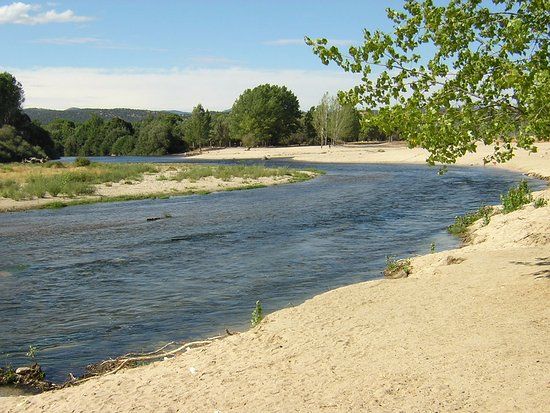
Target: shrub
point(461, 224)
point(82, 161)
point(516, 197)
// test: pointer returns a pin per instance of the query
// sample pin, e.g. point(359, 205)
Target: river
point(89, 282)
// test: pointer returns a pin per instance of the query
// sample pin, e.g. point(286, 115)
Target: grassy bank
point(56, 184)
point(23, 181)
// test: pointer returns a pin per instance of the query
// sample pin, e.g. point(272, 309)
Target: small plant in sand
point(540, 202)
point(397, 268)
point(516, 197)
point(432, 247)
point(257, 314)
point(461, 224)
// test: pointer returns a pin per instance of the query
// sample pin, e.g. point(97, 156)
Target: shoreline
point(467, 330)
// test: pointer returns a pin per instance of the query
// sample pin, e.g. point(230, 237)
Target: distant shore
point(468, 330)
point(395, 152)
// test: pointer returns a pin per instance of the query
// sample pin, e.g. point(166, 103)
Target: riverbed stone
point(23, 370)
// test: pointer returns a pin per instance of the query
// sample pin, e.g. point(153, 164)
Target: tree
point(113, 130)
point(265, 115)
point(89, 137)
point(335, 121)
point(310, 134)
point(123, 145)
point(60, 130)
point(197, 127)
point(350, 124)
point(220, 132)
point(320, 119)
point(11, 97)
point(370, 131)
point(153, 139)
point(14, 148)
point(487, 80)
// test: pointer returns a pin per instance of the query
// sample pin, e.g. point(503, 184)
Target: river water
point(89, 282)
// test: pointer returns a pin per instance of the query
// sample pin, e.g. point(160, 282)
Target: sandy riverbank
point(151, 185)
point(396, 152)
point(469, 330)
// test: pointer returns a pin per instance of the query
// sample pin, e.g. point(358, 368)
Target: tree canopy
point(197, 127)
point(265, 115)
point(20, 138)
point(450, 77)
point(335, 122)
point(11, 97)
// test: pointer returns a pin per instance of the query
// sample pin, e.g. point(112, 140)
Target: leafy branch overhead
point(448, 78)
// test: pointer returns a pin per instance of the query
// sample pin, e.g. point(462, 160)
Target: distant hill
point(78, 115)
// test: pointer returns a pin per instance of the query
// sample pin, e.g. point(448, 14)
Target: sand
point(468, 330)
point(396, 152)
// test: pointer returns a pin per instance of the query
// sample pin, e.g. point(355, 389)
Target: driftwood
point(112, 366)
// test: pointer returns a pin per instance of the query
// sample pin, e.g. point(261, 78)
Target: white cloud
point(68, 40)
point(301, 42)
point(216, 89)
point(24, 13)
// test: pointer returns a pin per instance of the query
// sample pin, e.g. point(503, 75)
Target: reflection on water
point(89, 282)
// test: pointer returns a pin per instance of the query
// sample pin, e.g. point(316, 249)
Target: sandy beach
point(468, 330)
point(396, 152)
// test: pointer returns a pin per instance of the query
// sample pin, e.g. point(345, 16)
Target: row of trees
point(19, 137)
point(267, 115)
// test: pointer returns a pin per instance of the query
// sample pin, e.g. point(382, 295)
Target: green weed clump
point(461, 224)
point(516, 197)
point(257, 314)
point(7, 375)
point(540, 202)
point(10, 189)
point(397, 268)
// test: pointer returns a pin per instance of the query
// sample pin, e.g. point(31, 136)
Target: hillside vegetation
point(79, 115)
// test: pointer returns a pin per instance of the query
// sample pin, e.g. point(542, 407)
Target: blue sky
point(174, 54)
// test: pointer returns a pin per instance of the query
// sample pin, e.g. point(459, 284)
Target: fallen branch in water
point(114, 365)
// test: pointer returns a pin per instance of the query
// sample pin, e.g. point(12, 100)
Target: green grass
point(73, 182)
point(21, 182)
point(516, 197)
point(9, 188)
point(461, 224)
point(227, 172)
